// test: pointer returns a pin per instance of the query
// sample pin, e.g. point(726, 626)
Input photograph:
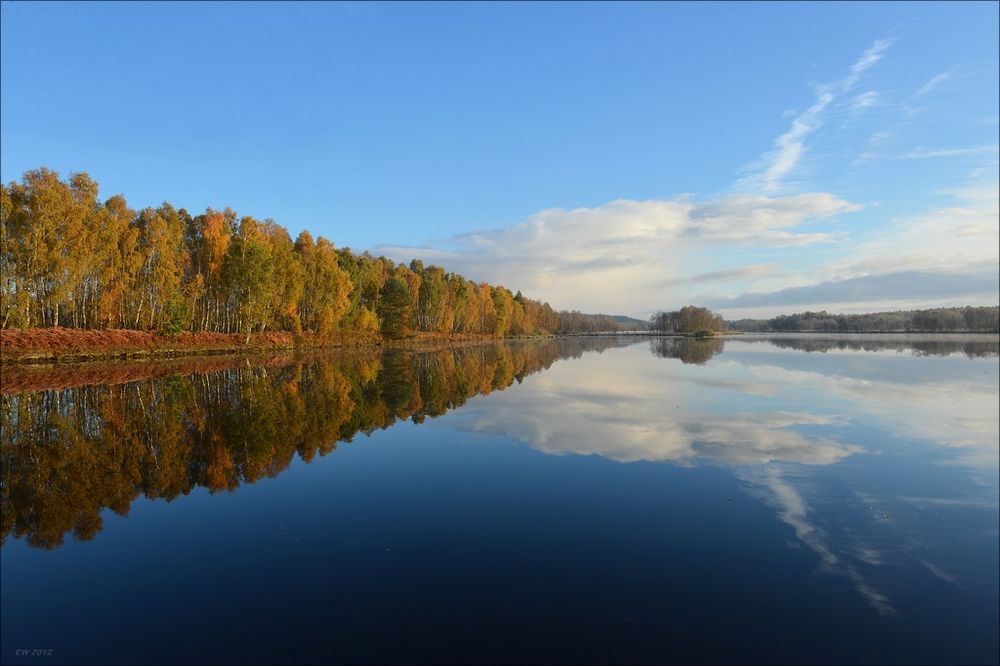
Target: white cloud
point(948, 256)
point(636, 256)
point(958, 238)
point(617, 257)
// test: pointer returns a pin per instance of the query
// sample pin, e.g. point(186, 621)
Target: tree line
point(68, 259)
point(936, 320)
point(574, 321)
point(66, 455)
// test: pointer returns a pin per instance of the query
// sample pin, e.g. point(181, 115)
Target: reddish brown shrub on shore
point(56, 344)
point(65, 343)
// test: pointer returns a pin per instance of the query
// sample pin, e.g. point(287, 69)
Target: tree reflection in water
point(70, 452)
point(697, 351)
point(79, 439)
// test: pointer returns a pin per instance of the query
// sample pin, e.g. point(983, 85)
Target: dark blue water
point(780, 500)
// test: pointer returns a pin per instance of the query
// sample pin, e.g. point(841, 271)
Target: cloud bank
point(614, 257)
point(636, 256)
point(917, 286)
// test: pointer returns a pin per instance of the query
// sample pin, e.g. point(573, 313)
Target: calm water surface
point(758, 499)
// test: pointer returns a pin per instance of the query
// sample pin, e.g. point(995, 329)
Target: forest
point(937, 320)
point(68, 259)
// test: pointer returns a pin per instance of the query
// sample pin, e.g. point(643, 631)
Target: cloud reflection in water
point(777, 411)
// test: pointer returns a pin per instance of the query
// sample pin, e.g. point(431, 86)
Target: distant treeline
point(578, 322)
point(68, 259)
point(937, 320)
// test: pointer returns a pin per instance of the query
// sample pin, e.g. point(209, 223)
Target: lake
point(761, 498)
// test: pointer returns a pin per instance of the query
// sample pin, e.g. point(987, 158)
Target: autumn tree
point(248, 273)
point(115, 273)
point(158, 301)
point(325, 298)
point(288, 277)
point(395, 307)
point(44, 227)
point(433, 300)
point(503, 306)
point(207, 239)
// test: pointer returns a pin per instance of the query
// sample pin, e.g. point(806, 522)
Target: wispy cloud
point(879, 138)
point(871, 56)
point(872, 147)
point(923, 154)
point(790, 146)
point(864, 101)
point(933, 83)
point(768, 172)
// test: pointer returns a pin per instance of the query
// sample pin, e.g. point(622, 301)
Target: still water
point(796, 499)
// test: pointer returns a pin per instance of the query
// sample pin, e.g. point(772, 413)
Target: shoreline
point(56, 345)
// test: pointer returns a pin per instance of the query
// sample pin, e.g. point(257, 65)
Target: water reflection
point(100, 438)
point(773, 487)
point(68, 453)
point(823, 496)
point(944, 344)
point(625, 409)
point(700, 350)
point(688, 350)
point(756, 402)
point(787, 422)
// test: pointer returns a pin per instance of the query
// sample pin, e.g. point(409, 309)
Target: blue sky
point(757, 158)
